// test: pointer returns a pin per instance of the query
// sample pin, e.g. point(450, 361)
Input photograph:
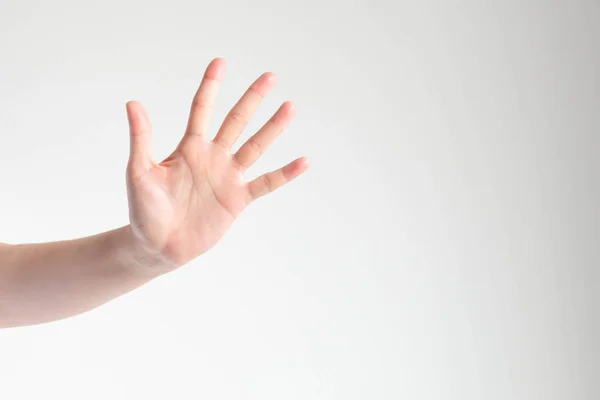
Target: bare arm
point(178, 209)
point(42, 282)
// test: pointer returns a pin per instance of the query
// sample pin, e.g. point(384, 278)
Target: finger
point(238, 117)
point(272, 181)
point(204, 99)
point(140, 133)
point(260, 141)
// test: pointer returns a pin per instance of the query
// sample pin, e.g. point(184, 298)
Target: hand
point(182, 206)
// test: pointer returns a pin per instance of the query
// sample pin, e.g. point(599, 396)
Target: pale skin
point(178, 209)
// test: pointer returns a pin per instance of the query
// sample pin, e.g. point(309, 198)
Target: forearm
point(43, 282)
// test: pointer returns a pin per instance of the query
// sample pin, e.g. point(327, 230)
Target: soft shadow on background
point(443, 244)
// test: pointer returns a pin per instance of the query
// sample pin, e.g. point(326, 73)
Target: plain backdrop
point(444, 243)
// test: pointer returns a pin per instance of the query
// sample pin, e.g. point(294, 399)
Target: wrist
point(134, 257)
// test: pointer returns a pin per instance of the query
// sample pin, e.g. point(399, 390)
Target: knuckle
point(267, 183)
point(200, 104)
point(254, 146)
point(276, 125)
point(237, 116)
point(256, 91)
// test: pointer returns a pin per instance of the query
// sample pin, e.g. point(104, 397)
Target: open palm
point(181, 207)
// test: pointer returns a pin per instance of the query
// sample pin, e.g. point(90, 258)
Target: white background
point(443, 244)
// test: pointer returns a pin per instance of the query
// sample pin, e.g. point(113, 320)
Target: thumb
point(140, 134)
